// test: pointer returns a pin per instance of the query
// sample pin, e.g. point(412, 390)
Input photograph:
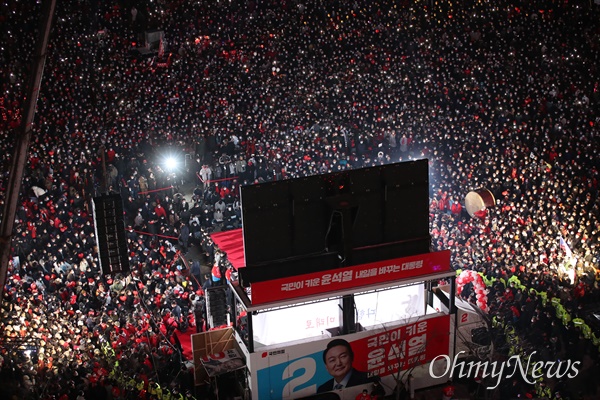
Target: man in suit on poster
point(338, 358)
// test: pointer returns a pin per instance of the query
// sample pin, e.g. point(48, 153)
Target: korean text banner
point(298, 370)
point(350, 277)
point(403, 347)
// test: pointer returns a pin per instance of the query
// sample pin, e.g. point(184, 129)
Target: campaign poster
point(352, 360)
point(222, 362)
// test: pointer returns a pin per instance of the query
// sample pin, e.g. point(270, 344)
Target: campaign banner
point(349, 277)
point(404, 347)
point(357, 359)
point(223, 362)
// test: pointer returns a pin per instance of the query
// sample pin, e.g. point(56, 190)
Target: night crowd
point(501, 95)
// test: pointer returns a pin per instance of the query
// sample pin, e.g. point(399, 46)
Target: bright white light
point(170, 163)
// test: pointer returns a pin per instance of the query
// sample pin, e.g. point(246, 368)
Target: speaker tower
point(110, 234)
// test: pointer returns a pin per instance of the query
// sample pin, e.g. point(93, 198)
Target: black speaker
point(406, 210)
point(267, 220)
point(216, 302)
point(110, 234)
point(367, 187)
point(310, 216)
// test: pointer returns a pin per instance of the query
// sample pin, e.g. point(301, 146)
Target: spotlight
point(170, 164)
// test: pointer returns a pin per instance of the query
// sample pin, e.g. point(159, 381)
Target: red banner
point(403, 347)
point(350, 277)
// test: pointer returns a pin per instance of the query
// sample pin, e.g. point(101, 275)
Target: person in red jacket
point(110, 155)
point(456, 208)
point(448, 391)
point(160, 211)
point(364, 395)
point(216, 274)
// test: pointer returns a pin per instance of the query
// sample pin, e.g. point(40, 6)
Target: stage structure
point(339, 256)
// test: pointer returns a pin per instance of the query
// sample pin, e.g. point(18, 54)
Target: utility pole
point(19, 159)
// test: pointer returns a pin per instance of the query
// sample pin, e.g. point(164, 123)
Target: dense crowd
point(498, 95)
